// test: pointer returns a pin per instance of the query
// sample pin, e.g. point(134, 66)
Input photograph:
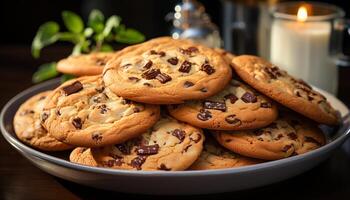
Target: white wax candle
point(302, 48)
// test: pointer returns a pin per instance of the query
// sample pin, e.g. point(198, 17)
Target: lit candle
point(302, 48)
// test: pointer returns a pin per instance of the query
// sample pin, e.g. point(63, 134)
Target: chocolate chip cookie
point(280, 86)
point(237, 107)
point(169, 145)
point(166, 71)
point(28, 127)
point(214, 156)
point(84, 65)
point(82, 112)
point(289, 135)
point(226, 55)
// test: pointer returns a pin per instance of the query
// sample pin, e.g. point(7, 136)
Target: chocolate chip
point(103, 108)
point(192, 49)
point(163, 78)
point(148, 65)
point(231, 97)
point(292, 136)
point(161, 53)
point(185, 67)
point(136, 110)
point(77, 123)
point(310, 98)
point(150, 74)
point(204, 115)
point(147, 84)
point(123, 148)
point(265, 105)
point(188, 84)
point(249, 98)
point(164, 167)
point(207, 68)
point(180, 134)
point(279, 136)
point(147, 150)
point(173, 61)
point(132, 78)
point(44, 116)
point(214, 105)
point(186, 148)
point(199, 137)
point(96, 99)
point(204, 89)
point(72, 88)
point(286, 148)
point(231, 119)
point(58, 112)
point(153, 52)
point(100, 89)
point(189, 50)
point(138, 161)
point(311, 140)
point(126, 101)
point(96, 136)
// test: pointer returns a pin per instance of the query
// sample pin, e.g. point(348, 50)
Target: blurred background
point(236, 20)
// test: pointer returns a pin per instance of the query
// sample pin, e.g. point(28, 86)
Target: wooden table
point(21, 180)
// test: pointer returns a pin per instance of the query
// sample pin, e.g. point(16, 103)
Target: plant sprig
point(98, 35)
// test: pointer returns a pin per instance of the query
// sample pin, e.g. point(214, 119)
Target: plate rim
point(24, 149)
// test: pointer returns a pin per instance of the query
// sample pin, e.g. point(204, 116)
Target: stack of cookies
point(174, 105)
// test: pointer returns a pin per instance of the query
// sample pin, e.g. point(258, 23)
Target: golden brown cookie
point(289, 135)
point(214, 156)
point(237, 107)
point(82, 112)
point(28, 127)
point(166, 71)
point(280, 86)
point(169, 145)
point(84, 65)
point(226, 55)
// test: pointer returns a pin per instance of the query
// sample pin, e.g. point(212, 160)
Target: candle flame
point(302, 14)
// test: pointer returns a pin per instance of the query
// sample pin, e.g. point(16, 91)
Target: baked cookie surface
point(84, 65)
point(28, 127)
point(237, 107)
point(169, 145)
point(280, 86)
point(214, 156)
point(82, 112)
point(166, 71)
point(288, 135)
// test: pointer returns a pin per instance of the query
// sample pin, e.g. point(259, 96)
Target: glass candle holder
point(306, 40)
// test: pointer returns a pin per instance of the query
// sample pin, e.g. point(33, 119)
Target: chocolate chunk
point(123, 148)
point(147, 150)
point(132, 78)
point(96, 136)
point(148, 65)
point(204, 89)
point(150, 74)
point(231, 119)
point(310, 98)
point(199, 137)
point(192, 49)
point(265, 105)
point(312, 140)
point(100, 89)
point(186, 148)
point(180, 134)
point(44, 116)
point(161, 53)
point(189, 50)
point(138, 161)
point(136, 110)
point(147, 84)
point(185, 67)
point(58, 112)
point(153, 52)
point(188, 84)
point(77, 123)
point(207, 68)
point(215, 105)
point(249, 98)
point(286, 148)
point(231, 97)
point(279, 136)
point(164, 167)
point(204, 115)
point(298, 94)
point(163, 78)
point(96, 99)
point(292, 136)
point(173, 61)
point(103, 108)
point(73, 88)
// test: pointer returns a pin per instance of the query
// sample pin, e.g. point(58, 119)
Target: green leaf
point(129, 36)
point(111, 23)
point(45, 72)
point(72, 21)
point(106, 48)
point(88, 32)
point(69, 37)
point(66, 77)
point(77, 49)
point(46, 35)
point(96, 20)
